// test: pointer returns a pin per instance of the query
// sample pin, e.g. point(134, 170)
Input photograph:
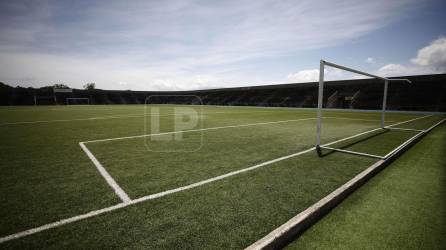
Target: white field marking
point(118, 190)
point(111, 181)
point(404, 144)
point(83, 119)
point(413, 138)
point(215, 128)
point(369, 131)
point(333, 110)
point(93, 107)
point(141, 199)
point(373, 130)
point(122, 138)
point(61, 222)
point(353, 119)
point(139, 115)
point(149, 197)
point(354, 152)
point(200, 183)
point(120, 117)
point(196, 130)
point(70, 120)
point(299, 218)
point(266, 241)
point(133, 106)
point(406, 129)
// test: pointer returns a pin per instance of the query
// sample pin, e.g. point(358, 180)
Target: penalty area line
point(107, 117)
point(222, 127)
point(154, 196)
point(196, 130)
point(111, 182)
point(143, 199)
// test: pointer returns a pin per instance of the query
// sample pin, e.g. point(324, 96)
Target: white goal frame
point(75, 98)
point(320, 101)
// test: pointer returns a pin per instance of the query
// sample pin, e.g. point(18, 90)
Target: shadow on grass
point(323, 154)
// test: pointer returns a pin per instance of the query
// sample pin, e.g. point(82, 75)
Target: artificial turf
point(403, 207)
point(46, 176)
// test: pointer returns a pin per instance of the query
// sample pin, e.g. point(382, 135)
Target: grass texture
point(46, 177)
point(403, 207)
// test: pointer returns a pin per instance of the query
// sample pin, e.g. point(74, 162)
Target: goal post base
point(319, 150)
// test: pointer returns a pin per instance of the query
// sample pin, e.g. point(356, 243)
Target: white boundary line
point(354, 152)
point(268, 240)
point(157, 195)
point(127, 116)
point(196, 130)
point(215, 128)
point(142, 199)
point(197, 184)
point(121, 193)
point(72, 120)
point(413, 138)
point(372, 155)
point(406, 129)
point(304, 219)
point(403, 144)
point(86, 119)
point(118, 190)
point(131, 106)
point(376, 129)
point(139, 115)
point(125, 198)
point(353, 119)
point(115, 186)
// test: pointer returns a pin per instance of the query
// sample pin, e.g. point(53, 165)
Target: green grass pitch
point(46, 176)
point(401, 208)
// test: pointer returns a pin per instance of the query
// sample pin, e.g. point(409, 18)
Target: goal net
point(78, 101)
point(373, 133)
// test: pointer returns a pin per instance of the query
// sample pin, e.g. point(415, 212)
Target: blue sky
point(185, 44)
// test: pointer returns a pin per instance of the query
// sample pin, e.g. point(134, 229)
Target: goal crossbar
point(320, 100)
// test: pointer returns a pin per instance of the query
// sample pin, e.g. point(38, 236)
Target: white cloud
point(370, 60)
point(394, 70)
point(312, 75)
point(147, 42)
point(429, 60)
point(404, 70)
point(433, 55)
point(308, 75)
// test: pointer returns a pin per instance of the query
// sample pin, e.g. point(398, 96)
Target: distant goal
point(77, 101)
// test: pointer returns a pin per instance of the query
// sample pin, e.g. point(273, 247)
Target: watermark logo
point(173, 123)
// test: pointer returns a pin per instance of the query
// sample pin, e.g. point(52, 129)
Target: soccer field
point(166, 176)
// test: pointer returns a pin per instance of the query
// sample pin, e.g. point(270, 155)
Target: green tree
point(90, 86)
point(60, 86)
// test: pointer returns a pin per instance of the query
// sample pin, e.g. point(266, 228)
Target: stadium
point(353, 158)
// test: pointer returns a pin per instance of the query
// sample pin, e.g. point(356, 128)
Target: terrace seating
point(427, 92)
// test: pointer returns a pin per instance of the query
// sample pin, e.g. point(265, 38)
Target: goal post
point(320, 99)
point(78, 101)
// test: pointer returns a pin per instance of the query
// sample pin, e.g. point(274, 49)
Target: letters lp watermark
point(173, 123)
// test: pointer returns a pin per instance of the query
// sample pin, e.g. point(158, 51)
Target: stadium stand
point(426, 93)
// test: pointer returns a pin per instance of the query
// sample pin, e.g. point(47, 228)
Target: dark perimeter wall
point(426, 93)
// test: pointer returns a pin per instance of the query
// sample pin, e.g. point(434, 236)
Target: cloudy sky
point(187, 44)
